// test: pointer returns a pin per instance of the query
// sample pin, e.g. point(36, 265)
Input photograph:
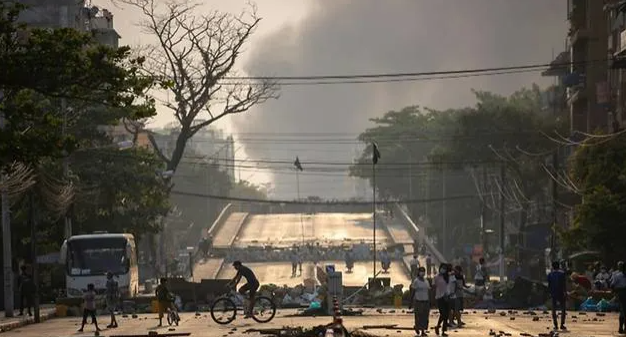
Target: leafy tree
point(40, 67)
point(598, 171)
point(406, 139)
point(196, 54)
point(507, 131)
point(119, 191)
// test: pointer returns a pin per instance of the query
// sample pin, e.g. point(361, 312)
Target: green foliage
point(598, 169)
point(120, 191)
point(40, 67)
point(453, 142)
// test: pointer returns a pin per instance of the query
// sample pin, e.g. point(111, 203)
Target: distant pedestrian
point(618, 284)
point(429, 265)
point(420, 298)
point(294, 262)
point(26, 287)
point(558, 292)
point(112, 298)
point(89, 307)
point(451, 295)
point(415, 264)
point(481, 275)
point(442, 296)
point(460, 294)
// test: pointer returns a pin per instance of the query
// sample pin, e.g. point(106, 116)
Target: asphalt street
point(479, 324)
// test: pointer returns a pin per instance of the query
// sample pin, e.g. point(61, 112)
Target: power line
point(323, 203)
point(408, 74)
point(385, 80)
point(208, 161)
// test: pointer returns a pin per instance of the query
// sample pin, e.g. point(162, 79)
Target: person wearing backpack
point(112, 298)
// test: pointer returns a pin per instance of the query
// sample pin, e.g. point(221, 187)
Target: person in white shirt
point(442, 297)
point(420, 295)
point(451, 296)
point(415, 264)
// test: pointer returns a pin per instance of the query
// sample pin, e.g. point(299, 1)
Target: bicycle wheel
point(264, 309)
point(223, 310)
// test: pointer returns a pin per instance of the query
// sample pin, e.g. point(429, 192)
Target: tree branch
point(195, 54)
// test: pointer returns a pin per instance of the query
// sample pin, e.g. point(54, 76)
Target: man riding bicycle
point(252, 286)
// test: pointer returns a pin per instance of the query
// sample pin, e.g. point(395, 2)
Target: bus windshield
point(96, 256)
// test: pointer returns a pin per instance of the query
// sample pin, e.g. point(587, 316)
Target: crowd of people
point(449, 286)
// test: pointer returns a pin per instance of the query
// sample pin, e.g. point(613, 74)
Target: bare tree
point(195, 55)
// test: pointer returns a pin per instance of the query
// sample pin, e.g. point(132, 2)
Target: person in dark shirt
point(558, 292)
point(163, 298)
point(251, 286)
point(26, 289)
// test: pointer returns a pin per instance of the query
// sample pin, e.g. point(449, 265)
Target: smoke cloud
point(373, 36)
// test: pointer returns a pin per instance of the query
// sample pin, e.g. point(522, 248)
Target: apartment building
point(616, 22)
point(587, 86)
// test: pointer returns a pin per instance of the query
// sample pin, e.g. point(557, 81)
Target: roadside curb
point(8, 326)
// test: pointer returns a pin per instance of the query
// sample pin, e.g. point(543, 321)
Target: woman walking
point(442, 297)
point(420, 294)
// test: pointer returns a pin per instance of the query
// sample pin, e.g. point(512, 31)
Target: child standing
point(89, 307)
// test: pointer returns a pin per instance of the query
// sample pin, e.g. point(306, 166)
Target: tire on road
point(229, 307)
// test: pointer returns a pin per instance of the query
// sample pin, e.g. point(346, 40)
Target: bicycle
point(224, 308)
point(172, 316)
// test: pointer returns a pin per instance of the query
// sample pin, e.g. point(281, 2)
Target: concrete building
point(587, 93)
point(75, 14)
point(616, 17)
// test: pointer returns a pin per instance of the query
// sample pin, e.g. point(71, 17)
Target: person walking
point(89, 307)
point(558, 292)
point(429, 265)
point(420, 295)
point(112, 298)
point(415, 264)
point(26, 288)
point(164, 299)
point(294, 262)
point(442, 298)
point(451, 296)
point(460, 294)
point(618, 284)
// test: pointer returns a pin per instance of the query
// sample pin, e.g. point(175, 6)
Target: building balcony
point(560, 66)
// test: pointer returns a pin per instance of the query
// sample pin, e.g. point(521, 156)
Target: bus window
point(97, 256)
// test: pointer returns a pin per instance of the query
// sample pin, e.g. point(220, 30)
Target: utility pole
point(7, 261)
point(502, 219)
point(298, 194)
point(374, 214)
point(444, 220)
point(66, 170)
point(33, 250)
point(483, 211)
point(555, 196)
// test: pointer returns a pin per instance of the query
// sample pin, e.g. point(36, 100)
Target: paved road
point(478, 325)
point(287, 229)
point(228, 232)
point(207, 269)
point(280, 273)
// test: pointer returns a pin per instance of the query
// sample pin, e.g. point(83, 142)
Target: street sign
point(51, 258)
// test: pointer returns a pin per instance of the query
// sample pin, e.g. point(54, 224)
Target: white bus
point(87, 259)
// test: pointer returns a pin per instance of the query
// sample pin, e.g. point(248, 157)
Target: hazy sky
point(370, 36)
